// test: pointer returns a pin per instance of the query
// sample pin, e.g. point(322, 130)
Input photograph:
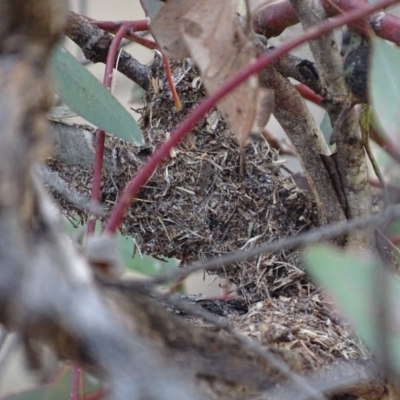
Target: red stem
point(309, 94)
point(134, 37)
point(168, 73)
point(274, 19)
point(134, 26)
point(206, 105)
point(100, 394)
point(75, 382)
point(113, 26)
point(395, 240)
point(101, 135)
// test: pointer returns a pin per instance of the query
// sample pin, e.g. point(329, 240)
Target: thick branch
point(304, 71)
point(326, 55)
point(274, 19)
point(351, 160)
point(295, 118)
point(353, 169)
point(95, 43)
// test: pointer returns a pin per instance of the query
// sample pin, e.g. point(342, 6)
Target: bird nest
point(209, 197)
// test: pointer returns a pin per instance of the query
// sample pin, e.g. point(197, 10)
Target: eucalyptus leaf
point(143, 264)
point(351, 280)
point(132, 259)
point(384, 86)
point(59, 389)
point(85, 95)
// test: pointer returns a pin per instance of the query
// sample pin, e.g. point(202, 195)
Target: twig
point(314, 236)
point(353, 169)
point(326, 55)
point(351, 162)
point(374, 163)
point(299, 125)
point(75, 382)
point(131, 35)
point(308, 94)
point(168, 74)
point(300, 69)
point(192, 119)
point(101, 135)
point(95, 44)
point(274, 19)
point(114, 26)
point(58, 184)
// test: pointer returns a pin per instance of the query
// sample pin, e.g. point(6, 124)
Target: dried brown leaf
point(211, 33)
point(216, 42)
point(165, 28)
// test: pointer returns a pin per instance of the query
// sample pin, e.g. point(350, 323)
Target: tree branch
point(304, 71)
point(289, 243)
point(95, 43)
point(298, 123)
point(351, 160)
point(275, 18)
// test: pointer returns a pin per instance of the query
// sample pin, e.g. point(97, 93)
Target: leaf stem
point(101, 135)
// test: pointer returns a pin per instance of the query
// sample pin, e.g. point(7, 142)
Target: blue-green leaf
point(59, 389)
point(384, 86)
point(85, 95)
point(352, 282)
point(132, 260)
point(143, 264)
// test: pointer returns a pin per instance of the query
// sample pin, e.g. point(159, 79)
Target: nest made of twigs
point(199, 203)
point(207, 198)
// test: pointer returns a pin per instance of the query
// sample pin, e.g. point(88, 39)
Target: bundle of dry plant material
point(207, 199)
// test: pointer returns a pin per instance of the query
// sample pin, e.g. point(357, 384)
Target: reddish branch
point(193, 118)
point(101, 135)
point(274, 19)
point(95, 43)
point(175, 96)
point(114, 26)
point(133, 27)
point(309, 94)
point(134, 37)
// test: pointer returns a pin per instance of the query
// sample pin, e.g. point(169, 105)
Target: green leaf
point(151, 7)
point(85, 95)
point(133, 261)
point(59, 389)
point(384, 86)
point(142, 263)
point(351, 281)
